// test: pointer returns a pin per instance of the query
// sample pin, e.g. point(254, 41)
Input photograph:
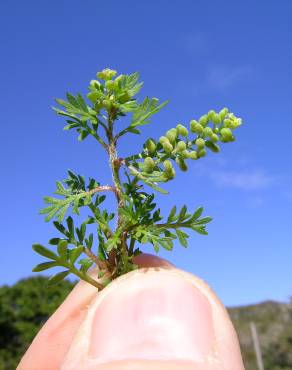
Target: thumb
point(155, 318)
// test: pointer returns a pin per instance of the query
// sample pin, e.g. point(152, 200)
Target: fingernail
point(153, 316)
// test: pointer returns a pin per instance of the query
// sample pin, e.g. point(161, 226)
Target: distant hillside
point(25, 306)
point(273, 321)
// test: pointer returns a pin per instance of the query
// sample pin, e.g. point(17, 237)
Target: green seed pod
point(223, 113)
point(216, 119)
point(168, 148)
point(214, 138)
point(163, 139)
point(208, 131)
point(226, 134)
point(196, 127)
point(227, 123)
point(202, 153)
point(95, 84)
point(185, 154)
point(181, 163)
point(182, 130)
point(169, 170)
point(151, 146)
point(214, 147)
point(171, 135)
point(211, 114)
point(168, 166)
point(216, 130)
point(193, 155)
point(107, 104)
point(204, 120)
point(109, 84)
point(172, 174)
point(181, 146)
point(149, 164)
point(200, 143)
point(106, 74)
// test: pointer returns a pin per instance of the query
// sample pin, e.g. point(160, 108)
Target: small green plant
point(116, 237)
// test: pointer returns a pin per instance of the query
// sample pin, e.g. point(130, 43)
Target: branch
point(99, 189)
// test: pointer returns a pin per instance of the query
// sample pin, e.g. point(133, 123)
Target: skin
point(157, 317)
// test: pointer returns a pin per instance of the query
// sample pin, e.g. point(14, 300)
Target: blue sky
point(200, 55)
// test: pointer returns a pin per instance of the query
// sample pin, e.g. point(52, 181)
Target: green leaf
point(145, 110)
point(172, 213)
point(58, 277)
point(182, 214)
point(44, 266)
point(75, 254)
point(182, 238)
point(197, 213)
point(43, 251)
point(54, 241)
point(62, 248)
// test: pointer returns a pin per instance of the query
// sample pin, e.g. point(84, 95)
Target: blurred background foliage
point(26, 305)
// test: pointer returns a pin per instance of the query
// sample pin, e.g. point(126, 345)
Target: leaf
point(182, 238)
point(60, 228)
point(172, 213)
point(75, 253)
point(182, 214)
point(54, 241)
point(197, 213)
point(40, 249)
point(62, 248)
point(58, 277)
point(44, 266)
point(145, 110)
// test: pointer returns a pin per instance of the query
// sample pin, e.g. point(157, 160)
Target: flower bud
point(181, 145)
point(95, 84)
point(181, 163)
point(214, 138)
point(163, 139)
point(109, 84)
point(214, 147)
point(227, 123)
point(196, 127)
point(202, 153)
point(208, 131)
point(149, 164)
point(223, 113)
point(200, 143)
point(168, 148)
point(106, 74)
point(167, 165)
point(226, 134)
point(151, 146)
point(107, 104)
point(171, 174)
point(182, 130)
point(185, 154)
point(203, 120)
point(216, 119)
point(193, 155)
point(171, 135)
point(169, 170)
point(210, 115)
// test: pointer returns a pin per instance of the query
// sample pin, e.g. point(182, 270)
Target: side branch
point(99, 189)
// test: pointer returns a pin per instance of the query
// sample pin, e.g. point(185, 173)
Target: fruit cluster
point(177, 144)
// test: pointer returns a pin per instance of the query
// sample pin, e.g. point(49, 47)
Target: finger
point(49, 347)
point(155, 318)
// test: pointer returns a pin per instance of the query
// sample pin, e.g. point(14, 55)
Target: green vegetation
point(25, 306)
point(137, 218)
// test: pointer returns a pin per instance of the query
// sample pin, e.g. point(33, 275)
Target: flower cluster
point(179, 143)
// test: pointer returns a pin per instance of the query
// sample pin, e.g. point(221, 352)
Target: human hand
point(157, 317)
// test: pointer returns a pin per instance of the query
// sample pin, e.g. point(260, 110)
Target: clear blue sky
point(198, 54)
